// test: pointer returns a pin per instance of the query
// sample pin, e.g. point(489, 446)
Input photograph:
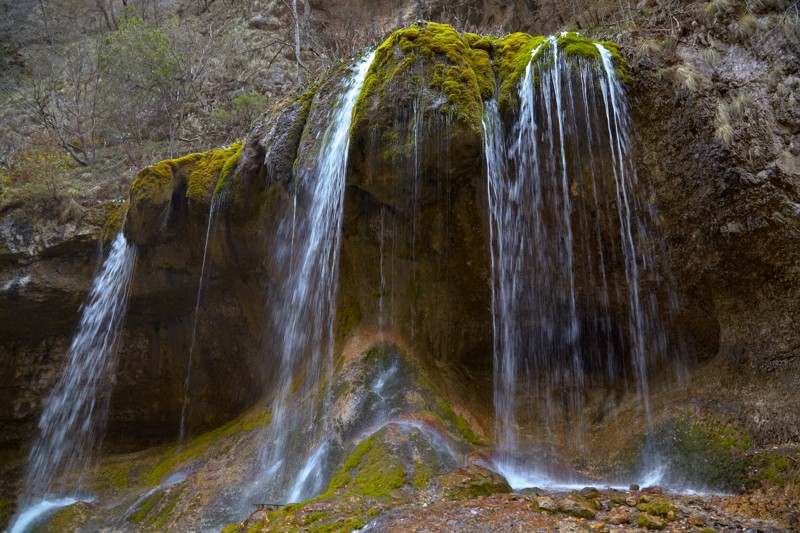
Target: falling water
point(73, 419)
point(568, 258)
point(182, 432)
point(305, 316)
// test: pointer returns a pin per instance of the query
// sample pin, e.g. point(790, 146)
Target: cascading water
point(305, 314)
point(569, 260)
point(73, 420)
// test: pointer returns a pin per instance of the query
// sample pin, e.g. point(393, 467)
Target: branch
point(783, 18)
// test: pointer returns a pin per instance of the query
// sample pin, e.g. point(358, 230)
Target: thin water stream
point(187, 379)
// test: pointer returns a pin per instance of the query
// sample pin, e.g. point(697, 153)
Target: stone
point(578, 509)
point(265, 23)
point(546, 503)
point(696, 520)
point(650, 522)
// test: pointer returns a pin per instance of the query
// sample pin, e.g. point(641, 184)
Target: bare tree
point(63, 98)
point(106, 7)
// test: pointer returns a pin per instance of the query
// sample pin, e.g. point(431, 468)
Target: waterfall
point(304, 316)
point(569, 259)
point(74, 417)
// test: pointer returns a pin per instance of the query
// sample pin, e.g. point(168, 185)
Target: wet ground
point(585, 510)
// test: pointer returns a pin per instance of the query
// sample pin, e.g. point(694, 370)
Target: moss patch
point(371, 470)
point(574, 45)
point(321, 515)
point(448, 65)
point(145, 507)
point(705, 453)
point(201, 445)
point(513, 55)
point(69, 518)
point(198, 173)
point(656, 506)
point(228, 168)
point(114, 220)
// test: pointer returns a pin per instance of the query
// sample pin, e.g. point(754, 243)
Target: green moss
point(231, 528)
point(228, 168)
point(165, 512)
point(619, 61)
point(471, 482)
point(423, 474)
point(575, 45)
point(145, 507)
point(112, 476)
point(114, 221)
point(656, 507)
point(487, 44)
point(180, 454)
point(451, 66)
point(513, 55)
point(69, 518)
point(260, 525)
point(345, 525)
point(707, 452)
point(205, 172)
point(647, 521)
point(6, 510)
point(338, 514)
point(370, 471)
point(774, 468)
point(459, 424)
point(199, 173)
point(153, 184)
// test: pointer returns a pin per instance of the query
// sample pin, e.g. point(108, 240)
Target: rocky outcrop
point(721, 158)
point(414, 264)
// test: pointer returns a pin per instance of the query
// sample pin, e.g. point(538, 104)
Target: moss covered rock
point(161, 193)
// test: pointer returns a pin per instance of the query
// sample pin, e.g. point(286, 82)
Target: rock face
point(729, 206)
point(414, 260)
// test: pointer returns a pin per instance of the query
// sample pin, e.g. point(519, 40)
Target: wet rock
point(577, 508)
point(647, 521)
point(696, 520)
point(661, 507)
point(471, 482)
point(620, 515)
point(546, 503)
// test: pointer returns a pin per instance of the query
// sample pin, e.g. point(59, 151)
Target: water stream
point(73, 420)
point(569, 261)
point(187, 379)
